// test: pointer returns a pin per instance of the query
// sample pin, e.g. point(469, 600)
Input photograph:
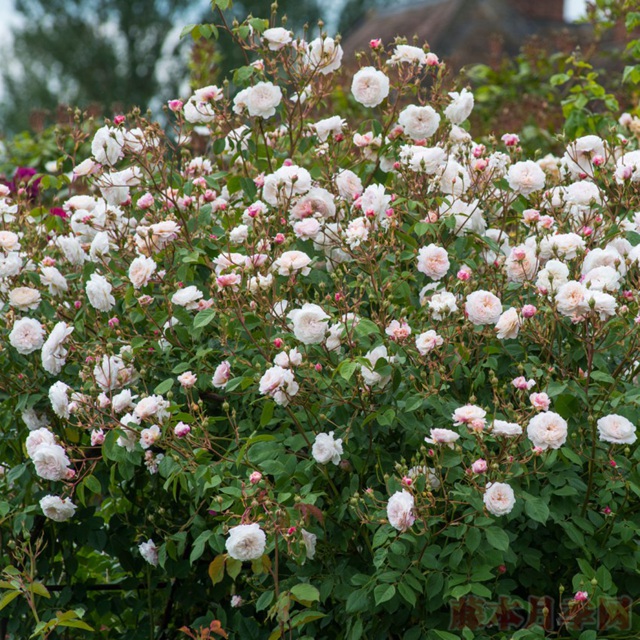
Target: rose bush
point(341, 371)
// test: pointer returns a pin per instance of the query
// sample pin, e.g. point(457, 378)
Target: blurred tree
point(81, 52)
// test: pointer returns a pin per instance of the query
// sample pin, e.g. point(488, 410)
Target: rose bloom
point(9, 241)
point(547, 430)
point(506, 429)
point(57, 509)
point(482, 307)
point(222, 375)
point(324, 128)
point(471, 415)
point(373, 378)
point(141, 270)
point(460, 107)
point(508, 325)
point(292, 262)
point(442, 436)
point(370, 86)
point(563, 245)
point(51, 462)
point(276, 38)
point(309, 323)
point(522, 383)
point(442, 304)
point(499, 498)
point(521, 263)
point(151, 406)
point(187, 297)
point(149, 552)
point(349, 184)
point(553, 276)
point(59, 399)
point(428, 341)
point(602, 279)
point(306, 229)
point(38, 438)
point(616, 429)
point(433, 261)
point(99, 293)
point(246, 542)
point(284, 183)
point(419, 123)
point(571, 299)
point(325, 449)
point(603, 304)
point(325, 55)
point(53, 352)
point(280, 384)
point(262, 99)
point(540, 401)
point(27, 336)
point(24, 298)
point(318, 203)
point(288, 360)
point(399, 510)
point(407, 53)
point(526, 177)
point(398, 330)
point(479, 466)
point(148, 437)
point(187, 379)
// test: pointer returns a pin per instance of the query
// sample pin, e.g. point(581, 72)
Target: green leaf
point(305, 593)
point(8, 597)
point(460, 590)
point(383, 593)
point(75, 624)
point(233, 568)
point(445, 635)
point(164, 386)
point(93, 484)
point(497, 538)
point(536, 509)
point(203, 318)
point(347, 369)
point(264, 600)
point(472, 539)
point(366, 327)
point(216, 568)
point(198, 545)
point(358, 600)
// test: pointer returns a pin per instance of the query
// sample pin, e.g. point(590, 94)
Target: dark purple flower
point(20, 180)
point(58, 211)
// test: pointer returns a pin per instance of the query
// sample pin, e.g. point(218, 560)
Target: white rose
point(349, 184)
point(309, 323)
point(149, 436)
point(324, 128)
point(325, 449)
point(277, 38)
point(400, 510)
point(246, 542)
point(53, 352)
point(604, 304)
point(38, 438)
point(284, 183)
point(506, 429)
point(280, 384)
point(419, 123)
point(324, 54)
point(571, 299)
point(433, 261)
point(51, 462)
point(221, 375)
point(521, 263)
point(428, 341)
point(508, 325)
point(442, 304)
point(370, 86)
point(52, 278)
point(547, 430)
point(9, 241)
point(427, 160)
point(59, 399)
point(483, 307)
point(407, 53)
point(262, 99)
point(33, 420)
point(499, 498)
point(373, 378)
point(187, 297)
point(27, 336)
point(107, 145)
point(553, 276)
point(99, 293)
point(293, 262)
point(107, 371)
point(57, 509)
point(149, 552)
point(24, 298)
point(602, 279)
point(141, 270)
point(526, 177)
point(460, 107)
point(616, 429)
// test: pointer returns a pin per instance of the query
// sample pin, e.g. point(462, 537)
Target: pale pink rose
point(547, 430)
point(433, 261)
point(222, 375)
point(148, 437)
point(616, 429)
point(499, 498)
point(508, 325)
point(181, 430)
point(370, 86)
point(400, 510)
point(442, 436)
point(540, 401)
point(479, 466)
point(428, 341)
point(398, 330)
point(482, 307)
point(187, 379)
point(293, 262)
